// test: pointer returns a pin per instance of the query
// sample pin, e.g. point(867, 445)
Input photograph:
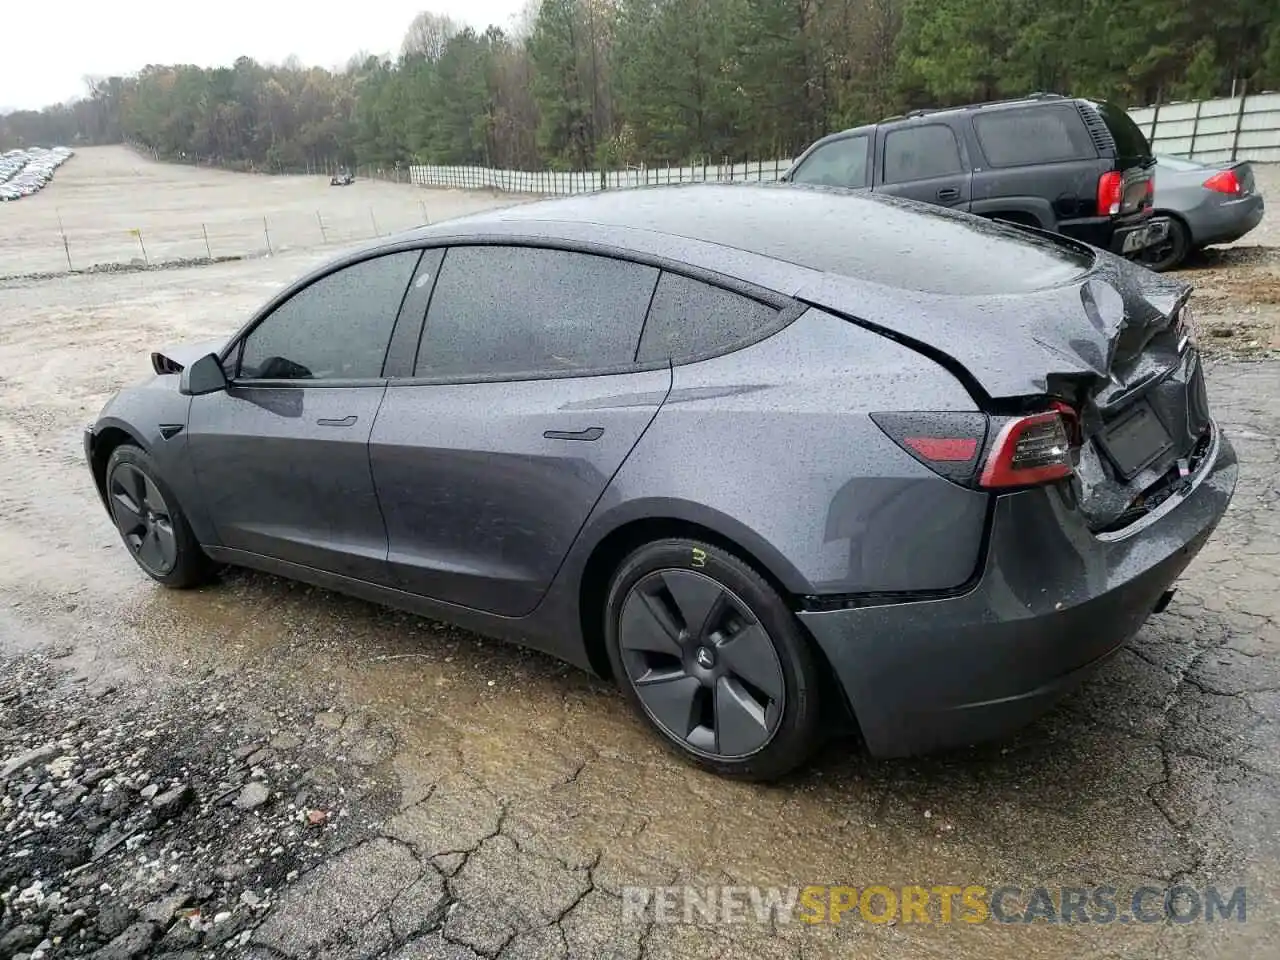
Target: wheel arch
point(1037, 211)
point(1181, 218)
point(106, 440)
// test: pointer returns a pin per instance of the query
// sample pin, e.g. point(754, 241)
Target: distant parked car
point(26, 172)
point(1069, 165)
point(1205, 203)
point(341, 180)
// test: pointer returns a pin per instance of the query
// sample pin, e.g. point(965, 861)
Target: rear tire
point(707, 651)
point(151, 522)
point(1171, 251)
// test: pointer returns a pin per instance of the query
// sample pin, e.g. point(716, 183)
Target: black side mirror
point(204, 376)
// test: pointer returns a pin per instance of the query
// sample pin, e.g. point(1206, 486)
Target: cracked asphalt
point(261, 769)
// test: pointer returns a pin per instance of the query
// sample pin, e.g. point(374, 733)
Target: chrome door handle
point(348, 421)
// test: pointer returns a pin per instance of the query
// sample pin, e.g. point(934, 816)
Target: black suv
point(1078, 167)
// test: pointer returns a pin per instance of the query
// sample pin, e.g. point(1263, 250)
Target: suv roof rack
point(925, 111)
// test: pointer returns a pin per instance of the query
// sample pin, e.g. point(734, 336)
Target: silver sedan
point(1205, 204)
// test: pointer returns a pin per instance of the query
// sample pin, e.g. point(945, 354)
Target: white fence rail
point(1233, 128)
point(1243, 128)
point(556, 182)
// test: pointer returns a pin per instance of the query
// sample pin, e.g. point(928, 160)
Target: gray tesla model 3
point(776, 459)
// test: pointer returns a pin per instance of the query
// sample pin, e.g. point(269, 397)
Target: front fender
point(154, 417)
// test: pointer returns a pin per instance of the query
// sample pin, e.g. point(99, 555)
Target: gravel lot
point(261, 769)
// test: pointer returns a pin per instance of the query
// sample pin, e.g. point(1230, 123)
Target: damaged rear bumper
point(1054, 600)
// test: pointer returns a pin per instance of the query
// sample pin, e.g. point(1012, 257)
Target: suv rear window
point(1131, 142)
point(1029, 135)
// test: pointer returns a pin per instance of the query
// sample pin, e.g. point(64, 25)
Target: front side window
point(507, 310)
point(840, 163)
point(337, 328)
point(921, 153)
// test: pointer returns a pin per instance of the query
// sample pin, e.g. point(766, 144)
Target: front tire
point(709, 653)
point(150, 521)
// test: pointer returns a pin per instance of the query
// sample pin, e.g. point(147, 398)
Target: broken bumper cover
point(1054, 601)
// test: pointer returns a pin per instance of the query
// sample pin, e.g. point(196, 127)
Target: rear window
point(1131, 142)
point(1014, 138)
point(921, 153)
point(690, 319)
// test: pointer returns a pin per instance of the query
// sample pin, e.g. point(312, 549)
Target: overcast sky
point(48, 54)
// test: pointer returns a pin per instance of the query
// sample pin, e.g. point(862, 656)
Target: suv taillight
point(1027, 450)
point(1224, 182)
point(1110, 193)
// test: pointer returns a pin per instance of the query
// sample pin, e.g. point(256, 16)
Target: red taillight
point(1110, 193)
point(943, 449)
point(1029, 450)
point(1224, 182)
point(948, 443)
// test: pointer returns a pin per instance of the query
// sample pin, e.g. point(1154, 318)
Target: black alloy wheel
point(143, 519)
point(150, 521)
point(701, 663)
point(713, 658)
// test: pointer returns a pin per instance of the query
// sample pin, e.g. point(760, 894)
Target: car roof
point(780, 236)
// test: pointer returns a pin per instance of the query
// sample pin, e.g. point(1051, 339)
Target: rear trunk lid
point(1111, 344)
point(1244, 173)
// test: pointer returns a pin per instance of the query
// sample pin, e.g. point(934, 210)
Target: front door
point(285, 471)
point(282, 456)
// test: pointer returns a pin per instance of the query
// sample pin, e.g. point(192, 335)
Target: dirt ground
point(261, 769)
point(1238, 286)
point(114, 206)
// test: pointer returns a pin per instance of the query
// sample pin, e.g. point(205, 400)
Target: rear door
point(923, 162)
point(525, 398)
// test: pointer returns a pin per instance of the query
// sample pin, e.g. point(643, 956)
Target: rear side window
point(334, 329)
point(1014, 138)
point(921, 153)
point(840, 163)
point(1131, 142)
point(691, 319)
point(500, 310)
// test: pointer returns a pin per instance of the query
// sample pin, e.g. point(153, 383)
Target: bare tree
point(427, 35)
